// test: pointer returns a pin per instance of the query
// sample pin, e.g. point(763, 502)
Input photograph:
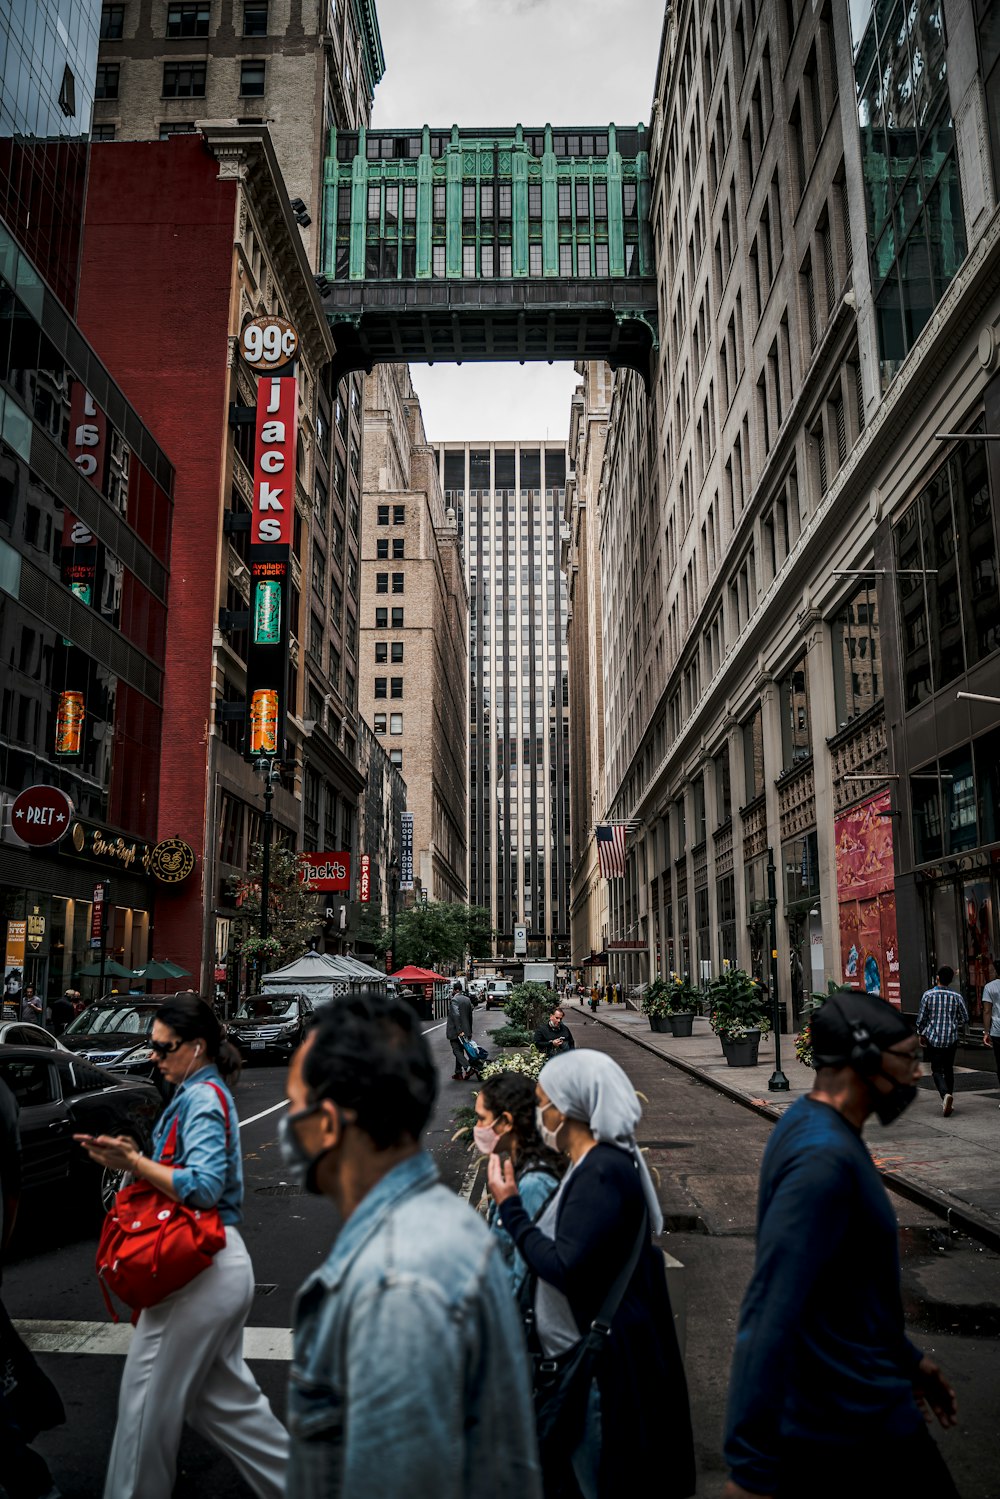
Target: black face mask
point(300, 1165)
point(889, 1106)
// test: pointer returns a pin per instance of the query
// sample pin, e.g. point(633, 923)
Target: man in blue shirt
point(827, 1394)
point(942, 1010)
point(409, 1373)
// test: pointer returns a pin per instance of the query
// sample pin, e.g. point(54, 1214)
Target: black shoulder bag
point(562, 1383)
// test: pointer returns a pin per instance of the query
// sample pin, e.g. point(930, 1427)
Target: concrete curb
point(967, 1220)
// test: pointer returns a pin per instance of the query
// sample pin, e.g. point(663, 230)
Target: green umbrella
point(160, 968)
point(112, 970)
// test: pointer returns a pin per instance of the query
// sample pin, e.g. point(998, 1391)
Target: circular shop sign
point(41, 815)
point(268, 343)
point(171, 861)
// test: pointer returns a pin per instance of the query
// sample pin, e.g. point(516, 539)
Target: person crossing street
point(459, 1029)
point(942, 1010)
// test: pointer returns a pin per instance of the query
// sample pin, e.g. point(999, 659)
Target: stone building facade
point(799, 553)
point(414, 626)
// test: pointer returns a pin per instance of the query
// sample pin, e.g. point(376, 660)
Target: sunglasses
point(165, 1048)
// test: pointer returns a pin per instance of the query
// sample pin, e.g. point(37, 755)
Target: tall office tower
point(799, 519)
point(508, 499)
point(85, 521)
point(412, 688)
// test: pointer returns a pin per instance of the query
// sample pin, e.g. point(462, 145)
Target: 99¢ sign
point(268, 343)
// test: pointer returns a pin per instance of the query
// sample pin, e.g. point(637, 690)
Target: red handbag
point(151, 1246)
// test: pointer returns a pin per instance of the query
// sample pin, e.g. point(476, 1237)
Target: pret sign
point(268, 343)
point(41, 815)
point(326, 871)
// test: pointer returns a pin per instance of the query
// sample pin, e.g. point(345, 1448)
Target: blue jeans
point(586, 1460)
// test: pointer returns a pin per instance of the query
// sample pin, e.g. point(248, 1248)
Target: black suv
point(273, 1023)
point(116, 1034)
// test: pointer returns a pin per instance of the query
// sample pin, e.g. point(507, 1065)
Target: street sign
point(365, 879)
point(406, 851)
point(41, 815)
point(98, 913)
point(36, 929)
point(268, 343)
point(520, 941)
point(326, 871)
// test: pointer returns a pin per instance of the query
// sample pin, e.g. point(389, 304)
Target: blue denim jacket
point(409, 1373)
point(210, 1174)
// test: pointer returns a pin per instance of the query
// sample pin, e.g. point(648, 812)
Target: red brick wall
point(156, 283)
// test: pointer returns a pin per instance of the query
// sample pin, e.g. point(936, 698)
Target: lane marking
point(433, 1028)
point(264, 1113)
point(114, 1338)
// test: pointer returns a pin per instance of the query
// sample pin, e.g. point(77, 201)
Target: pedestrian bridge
point(526, 244)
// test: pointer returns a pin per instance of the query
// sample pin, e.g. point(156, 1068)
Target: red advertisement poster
point(869, 948)
point(274, 461)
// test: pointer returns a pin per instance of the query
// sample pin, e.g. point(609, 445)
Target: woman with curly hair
point(505, 1115)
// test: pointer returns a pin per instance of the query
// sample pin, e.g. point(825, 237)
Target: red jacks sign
point(326, 871)
point(41, 815)
point(274, 462)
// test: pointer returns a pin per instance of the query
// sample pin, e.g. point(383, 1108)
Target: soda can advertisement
point(264, 722)
point(267, 612)
point(69, 723)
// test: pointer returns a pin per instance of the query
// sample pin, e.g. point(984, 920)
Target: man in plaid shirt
point(941, 1011)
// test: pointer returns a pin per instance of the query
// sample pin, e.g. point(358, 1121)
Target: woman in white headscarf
point(638, 1411)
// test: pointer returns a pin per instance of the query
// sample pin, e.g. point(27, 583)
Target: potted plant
point(684, 1002)
point(803, 1041)
point(656, 1005)
point(739, 1015)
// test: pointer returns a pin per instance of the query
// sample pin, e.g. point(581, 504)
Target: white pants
point(185, 1363)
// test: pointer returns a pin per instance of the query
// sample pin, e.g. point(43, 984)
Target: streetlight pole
point(269, 769)
point(778, 1082)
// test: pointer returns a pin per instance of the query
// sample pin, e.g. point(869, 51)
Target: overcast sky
point(504, 62)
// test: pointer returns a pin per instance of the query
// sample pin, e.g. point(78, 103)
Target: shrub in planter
point(736, 1005)
point(529, 1004)
point(684, 1002)
point(530, 1063)
point(510, 1035)
point(740, 1046)
point(656, 1005)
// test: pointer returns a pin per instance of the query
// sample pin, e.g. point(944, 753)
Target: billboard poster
point(13, 967)
point(326, 871)
point(869, 947)
point(270, 567)
point(406, 851)
point(520, 941)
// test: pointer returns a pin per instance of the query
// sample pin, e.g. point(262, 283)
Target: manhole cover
point(263, 1289)
point(283, 1189)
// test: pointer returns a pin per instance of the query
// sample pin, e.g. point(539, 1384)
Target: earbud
point(197, 1050)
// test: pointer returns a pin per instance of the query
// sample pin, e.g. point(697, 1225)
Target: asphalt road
point(707, 1151)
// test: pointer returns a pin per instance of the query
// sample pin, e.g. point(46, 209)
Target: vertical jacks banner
point(270, 567)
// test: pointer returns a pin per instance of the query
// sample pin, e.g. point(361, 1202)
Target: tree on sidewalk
point(293, 920)
point(440, 932)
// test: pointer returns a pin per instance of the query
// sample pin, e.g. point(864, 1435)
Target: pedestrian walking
point(408, 1374)
point(941, 1011)
point(61, 1012)
point(991, 1015)
point(32, 1008)
point(458, 1028)
point(827, 1394)
point(553, 1035)
point(506, 1126)
point(609, 1415)
point(185, 1361)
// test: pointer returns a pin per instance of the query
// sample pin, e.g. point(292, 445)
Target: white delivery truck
point(540, 973)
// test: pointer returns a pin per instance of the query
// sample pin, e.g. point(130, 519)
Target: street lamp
point(778, 1082)
point(269, 770)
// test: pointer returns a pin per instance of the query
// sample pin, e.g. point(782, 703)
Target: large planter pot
point(660, 1023)
point(681, 1024)
point(742, 1053)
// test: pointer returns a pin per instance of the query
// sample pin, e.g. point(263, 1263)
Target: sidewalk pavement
point(949, 1166)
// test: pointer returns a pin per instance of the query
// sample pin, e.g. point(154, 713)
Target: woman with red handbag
point(185, 1361)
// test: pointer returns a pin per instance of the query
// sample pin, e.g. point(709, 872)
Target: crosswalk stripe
point(113, 1338)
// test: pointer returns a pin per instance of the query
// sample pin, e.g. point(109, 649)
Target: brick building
point(414, 624)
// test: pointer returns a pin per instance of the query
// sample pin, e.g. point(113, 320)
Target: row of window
point(382, 619)
point(184, 80)
point(379, 147)
point(398, 515)
point(388, 687)
point(395, 725)
point(386, 650)
point(382, 549)
point(382, 582)
point(186, 18)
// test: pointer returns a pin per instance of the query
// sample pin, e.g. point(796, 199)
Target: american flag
point(611, 849)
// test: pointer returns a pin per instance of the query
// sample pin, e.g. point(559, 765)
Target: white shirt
point(991, 996)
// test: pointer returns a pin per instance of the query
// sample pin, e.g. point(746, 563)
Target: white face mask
point(549, 1136)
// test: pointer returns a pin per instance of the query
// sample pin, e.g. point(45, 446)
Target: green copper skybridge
point(489, 245)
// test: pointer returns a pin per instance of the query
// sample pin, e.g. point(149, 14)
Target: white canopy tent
point(322, 976)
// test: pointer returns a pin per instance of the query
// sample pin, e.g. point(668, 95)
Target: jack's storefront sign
point(326, 871)
point(270, 568)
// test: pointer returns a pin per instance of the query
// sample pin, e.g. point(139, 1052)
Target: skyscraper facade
point(508, 500)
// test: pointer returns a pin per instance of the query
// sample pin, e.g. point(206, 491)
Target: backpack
point(151, 1246)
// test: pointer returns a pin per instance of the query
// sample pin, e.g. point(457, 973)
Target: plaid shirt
point(939, 1015)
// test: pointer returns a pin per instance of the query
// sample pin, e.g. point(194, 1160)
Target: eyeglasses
point(164, 1048)
point(913, 1057)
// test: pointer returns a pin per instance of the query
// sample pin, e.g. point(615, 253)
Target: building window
point(381, 652)
point(184, 80)
point(396, 687)
point(398, 580)
point(397, 619)
point(188, 19)
point(106, 81)
point(534, 260)
point(396, 758)
point(178, 127)
point(381, 687)
point(796, 738)
point(255, 18)
point(103, 132)
point(67, 92)
point(112, 23)
point(395, 723)
point(382, 550)
point(381, 582)
point(601, 260)
point(382, 515)
point(380, 723)
point(438, 265)
point(397, 650)
point(398, 543)
point(857, 662)
point(398, 515)
point(381, 619)
point(565, 260)
point(468, 260)
point(252, 78)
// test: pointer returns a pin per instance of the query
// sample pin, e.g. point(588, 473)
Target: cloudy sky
point(500, 62)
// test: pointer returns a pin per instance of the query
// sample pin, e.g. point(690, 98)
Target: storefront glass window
point(987, 754)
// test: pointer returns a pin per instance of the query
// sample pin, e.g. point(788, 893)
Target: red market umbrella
point(412, 975)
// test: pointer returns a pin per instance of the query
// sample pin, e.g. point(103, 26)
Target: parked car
point(497, 993)
point(112, 1034)
point(24, 1033)
point(476, 988)
point(273, 1023)
point(61, 1095)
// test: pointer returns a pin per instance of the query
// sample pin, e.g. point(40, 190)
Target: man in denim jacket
point(409, 1373)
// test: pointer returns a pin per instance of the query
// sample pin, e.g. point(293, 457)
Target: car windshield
point(137, 1019)
point(267, 1007)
